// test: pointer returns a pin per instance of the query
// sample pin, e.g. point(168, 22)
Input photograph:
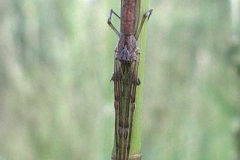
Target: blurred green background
point(56, 99)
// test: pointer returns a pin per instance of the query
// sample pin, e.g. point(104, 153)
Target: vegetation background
point(56, 99)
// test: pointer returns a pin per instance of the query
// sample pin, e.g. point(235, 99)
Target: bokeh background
point(56, 99)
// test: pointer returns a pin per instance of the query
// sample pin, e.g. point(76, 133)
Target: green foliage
point(56, 99)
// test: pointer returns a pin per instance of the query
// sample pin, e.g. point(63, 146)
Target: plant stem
point(135, 144)
point(137, 120)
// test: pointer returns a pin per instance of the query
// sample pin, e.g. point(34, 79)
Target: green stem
point(135, 150)
point(137, 120)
